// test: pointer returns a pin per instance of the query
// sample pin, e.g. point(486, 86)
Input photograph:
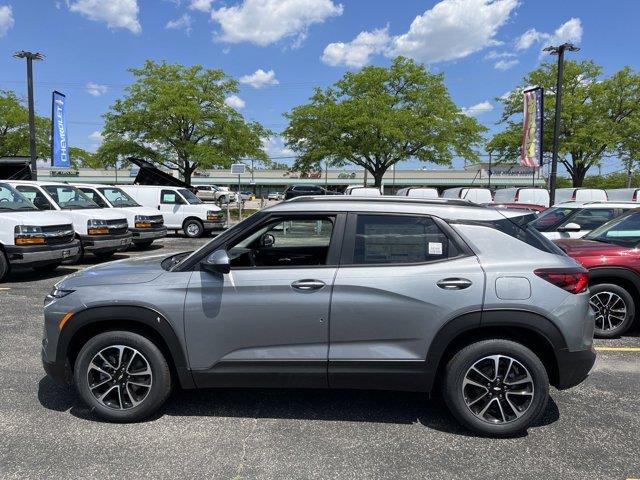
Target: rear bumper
point(34, 255)
point(148, 233)
point(100, 243)
point(574, 367)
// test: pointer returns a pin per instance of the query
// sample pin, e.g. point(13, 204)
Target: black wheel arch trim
point(140, 315)
point(612, 272)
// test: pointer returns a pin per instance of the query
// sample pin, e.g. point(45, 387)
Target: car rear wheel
point(193, 228)
point(496, 387)
point(122, 376)
point(614, 308)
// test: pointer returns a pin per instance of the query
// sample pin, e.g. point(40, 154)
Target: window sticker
point(435, 248)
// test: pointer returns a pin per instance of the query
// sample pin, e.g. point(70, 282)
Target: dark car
point(612, 256)
point(294, 191)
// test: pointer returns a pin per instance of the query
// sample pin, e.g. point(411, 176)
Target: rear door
point(401, 278)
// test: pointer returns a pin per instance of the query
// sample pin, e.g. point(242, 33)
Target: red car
point(531, 207)
point(611, 253)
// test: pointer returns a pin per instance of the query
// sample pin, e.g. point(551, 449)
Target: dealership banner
point(59, 140)
point(531, 149)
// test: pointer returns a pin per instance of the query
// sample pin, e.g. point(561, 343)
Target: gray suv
point(382, 293)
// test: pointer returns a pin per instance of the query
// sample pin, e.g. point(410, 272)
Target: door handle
point(307, 285)
point(454, 283)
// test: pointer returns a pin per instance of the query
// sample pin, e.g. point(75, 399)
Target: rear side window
point(591, 218)
point(398, 239)
point(519, 229)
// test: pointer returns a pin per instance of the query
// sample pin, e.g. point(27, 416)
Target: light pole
point(559, 50)
point(31, 56)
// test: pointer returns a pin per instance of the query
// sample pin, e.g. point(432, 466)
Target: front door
point(402, 277)
point(266, 323)
point(171, 205)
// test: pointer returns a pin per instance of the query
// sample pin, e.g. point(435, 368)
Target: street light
point(559, 50)
point(31, 56)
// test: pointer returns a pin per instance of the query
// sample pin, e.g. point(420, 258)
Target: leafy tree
point(14, 128)
point(377, 117)
point(595, 115)
point(176, 117)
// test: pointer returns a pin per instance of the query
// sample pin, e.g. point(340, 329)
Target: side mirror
point(570, 227)
point(267, 240)
point(217, 262)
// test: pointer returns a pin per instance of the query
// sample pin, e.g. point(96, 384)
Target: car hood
point(120, 272)
point(578, 247)
point(97, 213)
point(36, 217)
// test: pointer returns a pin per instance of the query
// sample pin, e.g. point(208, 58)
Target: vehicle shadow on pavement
point(330, 405)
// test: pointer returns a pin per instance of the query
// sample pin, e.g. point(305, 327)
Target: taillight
point(573, 280)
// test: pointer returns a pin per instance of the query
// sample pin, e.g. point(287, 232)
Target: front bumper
point(100, 243)
point(574, 367)
point(148, 233)
point(35, 255)
point(208, 225)
point(58, 371)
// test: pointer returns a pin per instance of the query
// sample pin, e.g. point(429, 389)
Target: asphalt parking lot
point(591, 431)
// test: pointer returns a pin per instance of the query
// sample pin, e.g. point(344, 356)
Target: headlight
point(28, 235)
point(142, 221)
point(97, 227)
point(60, 293)
point(213, 216)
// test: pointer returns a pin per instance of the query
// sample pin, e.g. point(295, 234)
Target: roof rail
point(387, 199)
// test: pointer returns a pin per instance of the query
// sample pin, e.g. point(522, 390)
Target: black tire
point(475, 354)
point(193, 228)
point(143, 244)
point(157, 363)
point(50, 267)
point(619, 299)
point(105, 255)
point(4, 266)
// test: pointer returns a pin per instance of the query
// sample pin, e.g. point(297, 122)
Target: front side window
point(284, 243)
point(624, 230)
point(69, 198)
point(93, 195)
point(170, 197)
point(591, 218)
point(552, 218)
point(189, 196)
point(35, 196)
point(118, 197)
point(381, 239)
point(11, 199)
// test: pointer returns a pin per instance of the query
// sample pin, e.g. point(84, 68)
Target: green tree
point(377, 117)
point(176, 117)
point(595, 115)
point(14, 128)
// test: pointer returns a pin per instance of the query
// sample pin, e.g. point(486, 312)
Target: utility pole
point(559, 50)
point(629, 174)
point(31, 56)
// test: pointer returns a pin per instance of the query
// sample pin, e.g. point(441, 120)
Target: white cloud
point(96, 89)
point(275, 147)
point(260, 78)
point(358, 51)
point(182, 23)
point(201, 5)
point(505, 64)
point(264, 22)
point(6, 19)
point(478, 109)
point(569, 31)
point(453, 29)
point(115, 13)
point(96, 136)
point(234, 101)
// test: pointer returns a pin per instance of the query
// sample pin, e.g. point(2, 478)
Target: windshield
point(11, 199)
point(69, 198)
point(189, 196)
point(118, 197)
point(551, 218)
point(623, 230)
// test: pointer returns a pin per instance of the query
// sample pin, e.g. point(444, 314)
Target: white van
point(101, 231)
point(531, 195)
point(181, 209)
point(420, 192)
point(145, 224)
point(362, 191)
point(623, 194)
point(477, 195)
point(580, 195)
point(30, 238)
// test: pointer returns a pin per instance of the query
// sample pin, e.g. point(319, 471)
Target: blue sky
point(281, 49)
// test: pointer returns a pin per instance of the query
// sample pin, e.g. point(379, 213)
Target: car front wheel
point(496, 387)
point(122, 376)
point(614, 309)
point(193, 228)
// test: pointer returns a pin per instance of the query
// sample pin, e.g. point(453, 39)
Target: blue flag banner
point(59, 140)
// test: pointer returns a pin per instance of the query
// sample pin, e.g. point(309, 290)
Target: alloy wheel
point(193, 229)
point(610, 308)
point(119, 377)
point(498, 389)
